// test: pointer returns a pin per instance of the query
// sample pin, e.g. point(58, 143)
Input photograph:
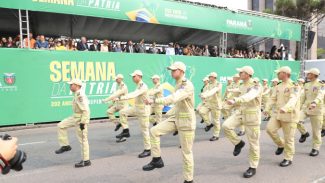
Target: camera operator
point(8, 149)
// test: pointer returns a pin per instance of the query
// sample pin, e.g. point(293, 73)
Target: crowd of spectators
point(82, 44)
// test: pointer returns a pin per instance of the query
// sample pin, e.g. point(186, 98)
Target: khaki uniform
point(286, 98)
point(249, 115)
point(226, 109)
point(300, 125)
point(182, 118)
point(81, 114)
point(265, 95)
point(323, 126)
point(140, 110)
point(204, 89)
point(154, 93)
point(272, 90)
point(213, 106)
point(313, 92)
point(122, 90)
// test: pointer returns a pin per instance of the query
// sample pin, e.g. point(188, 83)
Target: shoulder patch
point(80, 99)
point(315, 89)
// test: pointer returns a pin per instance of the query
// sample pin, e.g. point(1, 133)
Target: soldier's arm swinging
point(135, 93)
point(211, 92)
point(179, 95)
point(253, 93)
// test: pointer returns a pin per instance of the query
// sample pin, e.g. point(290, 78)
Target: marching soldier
point(304, 133)
point(313, 98)
point(213, 106)
point(204, 89)
point(226, 109)
point(248, 114)
point(183, 119)
point(286, 115)
point(156, 92)
point(117, 106)
point(301, 84)
point(266, 94)
point(275, 82)
point(300, 126)
point(80, 120)
point(140, 110)
point(323, 127)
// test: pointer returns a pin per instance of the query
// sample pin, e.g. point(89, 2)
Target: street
point(118, 162)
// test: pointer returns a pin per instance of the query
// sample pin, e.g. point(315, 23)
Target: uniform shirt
point(227, 94)
point(122, 90)
point(286, 98)
point(249, 97)
point(266, 91)
point(183, 110)
point(313, 92)
point(140, 94)
point(80, 107)
point(248, 102)
point(156, 91)
point(204, 89)
point(234, 92)
point(213, 95)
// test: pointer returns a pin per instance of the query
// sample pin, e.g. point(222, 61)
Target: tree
point(301, 9)
point(320, 53)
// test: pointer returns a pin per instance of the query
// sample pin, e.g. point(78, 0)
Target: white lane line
point(322, 179)
point(31, 143)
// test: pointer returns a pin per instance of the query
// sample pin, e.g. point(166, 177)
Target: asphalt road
point(118, 162)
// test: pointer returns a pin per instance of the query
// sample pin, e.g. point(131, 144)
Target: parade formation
point(285, 104)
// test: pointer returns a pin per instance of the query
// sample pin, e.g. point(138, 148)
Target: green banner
point(33, 84)
point(167, 13)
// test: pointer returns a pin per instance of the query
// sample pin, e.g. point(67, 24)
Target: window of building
point(269, 4)
point(255, 5)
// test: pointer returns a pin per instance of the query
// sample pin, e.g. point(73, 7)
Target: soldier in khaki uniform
point(117, 106)
point(227, 109)
point(300, 126)
point(266, 94)
point(235, 93)
point(204, 89)
point(249, 115)
point(156, 92)
point(275, 82)
point(80, 120)
point(140, 110)
point(323, 127)
point(213, 106)
point(183, 119)
point(312, 104)
point(286, 102)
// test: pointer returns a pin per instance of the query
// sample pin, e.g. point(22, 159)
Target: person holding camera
point(10, 156)
point(80, 120)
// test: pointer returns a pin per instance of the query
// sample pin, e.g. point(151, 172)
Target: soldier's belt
point(184, 115)
point(76, 115)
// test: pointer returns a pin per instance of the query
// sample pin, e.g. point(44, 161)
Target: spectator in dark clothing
point(178, 49)
point(129, 47)
point(140, 48)
point(95, 46)
point(82, 45)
